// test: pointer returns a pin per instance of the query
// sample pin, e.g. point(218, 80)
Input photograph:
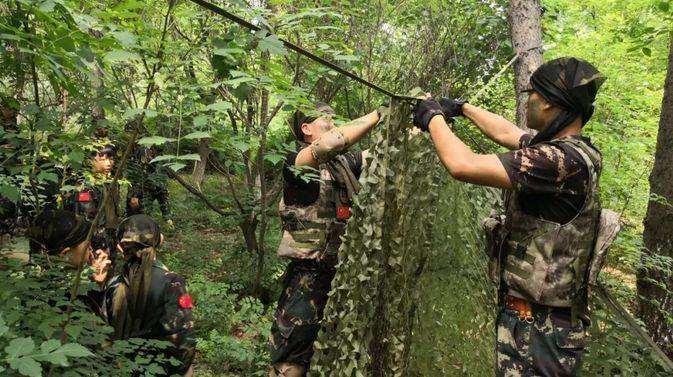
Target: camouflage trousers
point(299, 312)
point(147, 194)
point(548, 346)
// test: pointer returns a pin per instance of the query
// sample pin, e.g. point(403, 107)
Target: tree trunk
point(524, 22)
point(655, 284)
point(200, 166)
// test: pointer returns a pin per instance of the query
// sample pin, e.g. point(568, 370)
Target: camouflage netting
point(369, 317)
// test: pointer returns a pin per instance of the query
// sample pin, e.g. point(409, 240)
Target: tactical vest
point(314, 232)
point(547, 262)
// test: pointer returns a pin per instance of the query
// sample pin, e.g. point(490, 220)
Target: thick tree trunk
point(654, 284)
point(200, 166)
point(524, 22)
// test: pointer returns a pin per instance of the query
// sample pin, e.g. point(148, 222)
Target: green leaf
point(26, 366)
point(272, 45)
point(19, 347)
point(10, 192)
point(219, 106)
point(11, 37)
point(121, 56)
point(647, 51)
point(47, 6)
point(274, 158)
point(176, 166)
point(190, 157)
point(154, 140)
point(76, 157)
point(125, 38)
point(200, 121)
point(75, 350)
point(164, 157)
point(47, 176)
point(3, 327)
point(197, 135)
point(49, 345)
point(346, 58)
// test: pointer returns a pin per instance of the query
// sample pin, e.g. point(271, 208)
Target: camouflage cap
point(139, 229)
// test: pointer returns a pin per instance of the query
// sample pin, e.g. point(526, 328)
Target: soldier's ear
point(65, 251)
point(306, 128)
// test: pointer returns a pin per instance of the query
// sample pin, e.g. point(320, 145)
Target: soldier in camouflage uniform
point(87, 200)
point(542, 246)
point(147, 300)
point(148, 183)
point(314, 212)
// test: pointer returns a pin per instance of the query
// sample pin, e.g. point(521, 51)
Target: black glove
point(452, 107)
point(425, 111)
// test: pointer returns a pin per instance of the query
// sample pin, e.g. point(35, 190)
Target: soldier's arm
point(463, 164)
point(494, 126)
point(336, 141)
point(177, 321)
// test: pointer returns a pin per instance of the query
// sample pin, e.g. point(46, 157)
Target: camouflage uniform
point(311, 237)
point(86, 203)
point(148, 183)
point(169, 316)
point(543, 253)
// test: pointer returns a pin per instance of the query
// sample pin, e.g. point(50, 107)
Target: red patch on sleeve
point(185, 301)
point(343, 212)
point(84, 196)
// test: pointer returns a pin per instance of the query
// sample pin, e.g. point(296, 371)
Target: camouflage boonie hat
point(140, 229)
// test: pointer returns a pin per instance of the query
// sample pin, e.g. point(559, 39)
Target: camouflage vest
point(547, 262)
point(314, 232)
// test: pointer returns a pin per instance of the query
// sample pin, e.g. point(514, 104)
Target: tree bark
point(655, 284)
point(524, 22)
point(200, 166)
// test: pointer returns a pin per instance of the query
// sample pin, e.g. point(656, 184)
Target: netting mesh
point(370, 314)
point(411, 296)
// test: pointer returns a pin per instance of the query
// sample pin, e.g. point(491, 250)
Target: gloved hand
point(424, 112)
point(452, 107)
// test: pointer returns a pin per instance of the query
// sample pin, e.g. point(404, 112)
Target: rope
point(633, 327)
point(234, 18)
point(612, 303)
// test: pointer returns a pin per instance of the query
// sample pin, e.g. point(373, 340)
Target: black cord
point(234, 18)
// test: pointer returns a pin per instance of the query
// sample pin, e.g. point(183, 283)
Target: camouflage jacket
point(168, 315)
point(544, 261)
point(313, 232)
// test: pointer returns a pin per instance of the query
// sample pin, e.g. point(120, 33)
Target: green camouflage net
point(369, 316)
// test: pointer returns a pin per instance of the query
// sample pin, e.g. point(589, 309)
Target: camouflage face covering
point(569, 84)
point(53, 231)
point(139, 229)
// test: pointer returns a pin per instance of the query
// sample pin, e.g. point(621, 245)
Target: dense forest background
point(214, 98)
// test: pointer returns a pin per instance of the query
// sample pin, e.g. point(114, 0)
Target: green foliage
point(33, 303)
point(232, 333)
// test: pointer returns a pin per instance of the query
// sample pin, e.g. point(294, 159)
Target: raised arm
point(494, 126)
point(463, 164)
point(336, 141)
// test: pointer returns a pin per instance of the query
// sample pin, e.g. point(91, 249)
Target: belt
point(527, 309)
point(522, 306)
